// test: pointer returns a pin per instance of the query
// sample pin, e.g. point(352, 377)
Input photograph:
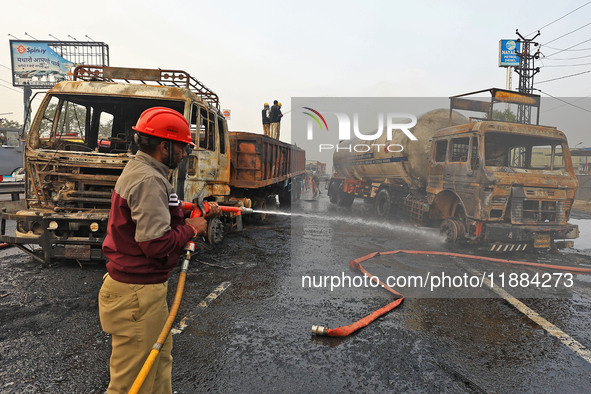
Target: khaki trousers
point(267, 128)
point(275, 130)
point(134, 316)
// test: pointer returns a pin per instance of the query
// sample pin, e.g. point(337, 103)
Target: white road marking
point(202, 305)
point(563, 337)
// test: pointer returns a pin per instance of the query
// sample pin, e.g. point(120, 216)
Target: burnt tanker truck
point(505, 185)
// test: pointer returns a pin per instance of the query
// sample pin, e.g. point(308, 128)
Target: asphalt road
point(255, 336)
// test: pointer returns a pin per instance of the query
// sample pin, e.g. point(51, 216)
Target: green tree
point(505, 116)
point(10, 124)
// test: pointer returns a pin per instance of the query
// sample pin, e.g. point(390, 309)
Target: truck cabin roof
point(525, 102)
point(174, 84)
point(482, 127)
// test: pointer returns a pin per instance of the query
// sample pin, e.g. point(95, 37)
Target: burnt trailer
point(262, 166)
point(81, 139)
point(509, 186)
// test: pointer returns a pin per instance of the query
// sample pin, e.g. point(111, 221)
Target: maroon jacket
point(146, 231)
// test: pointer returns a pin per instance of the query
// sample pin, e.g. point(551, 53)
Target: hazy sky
point(254, 52)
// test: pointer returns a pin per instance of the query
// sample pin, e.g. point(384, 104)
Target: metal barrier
point(15, 189)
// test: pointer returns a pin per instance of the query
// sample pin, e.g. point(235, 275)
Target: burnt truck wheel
point(333, 197)
point(453, 230)
point(383, 204)
point(345, 199)
point(334, 189)
point(215, 231)
point(285, 197)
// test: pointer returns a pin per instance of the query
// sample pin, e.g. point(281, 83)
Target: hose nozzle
point(201, 209)
point(319, 330)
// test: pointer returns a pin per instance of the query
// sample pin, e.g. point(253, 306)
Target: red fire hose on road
point(356, 264)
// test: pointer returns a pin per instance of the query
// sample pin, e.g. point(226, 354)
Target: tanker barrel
point(408, 166)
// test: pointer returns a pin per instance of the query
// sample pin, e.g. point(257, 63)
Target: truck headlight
point(52, 225)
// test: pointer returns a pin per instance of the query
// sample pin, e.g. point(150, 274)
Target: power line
point(564, 101)
point(556, 53)
point(570, 32)
point(558, 49)
point(10, 88)
point(571, 58)
point(561, 105)
point(567, 65)
point(556, 20)
point(5, 67)
point(566, 76)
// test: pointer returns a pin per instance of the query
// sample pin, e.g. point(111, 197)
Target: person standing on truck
point(266, 120)
point(146, 233)
point(279, 124)
point(275, 116)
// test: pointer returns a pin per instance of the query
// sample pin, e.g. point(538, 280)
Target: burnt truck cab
point(508, 185)
point(82, 138)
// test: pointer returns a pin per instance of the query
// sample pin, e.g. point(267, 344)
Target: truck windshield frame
point(524, 152)
point(87, 123)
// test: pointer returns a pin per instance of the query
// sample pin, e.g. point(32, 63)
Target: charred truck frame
point(508, 186)
point(81, 139)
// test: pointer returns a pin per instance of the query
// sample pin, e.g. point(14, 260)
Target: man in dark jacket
point(146, 233)
point(266, 120)
point(275, 116)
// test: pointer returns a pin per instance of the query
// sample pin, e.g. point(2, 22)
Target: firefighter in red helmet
point(145, 236)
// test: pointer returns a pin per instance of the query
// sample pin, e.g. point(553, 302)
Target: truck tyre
point(257, 218)
point(333, 195)
point(334, 189)
point(285, 197)
point(383, 204)
point(453, 230)
point(215, 231)
point(345, 199)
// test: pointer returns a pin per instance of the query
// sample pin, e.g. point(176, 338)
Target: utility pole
point(526, 71)
point(27, 91)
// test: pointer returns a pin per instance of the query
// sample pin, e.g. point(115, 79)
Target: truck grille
point(536, 211)
point(498, 202)
point(73, 186)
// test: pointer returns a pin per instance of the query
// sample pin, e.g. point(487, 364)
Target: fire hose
point(197, 210)
point(356, 264)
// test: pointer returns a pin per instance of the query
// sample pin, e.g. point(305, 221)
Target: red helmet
point(164, 123)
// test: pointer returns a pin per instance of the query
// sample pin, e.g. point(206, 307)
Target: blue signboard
point(508, 50)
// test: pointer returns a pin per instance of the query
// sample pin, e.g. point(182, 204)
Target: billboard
point(508, 50)
point(42, 64)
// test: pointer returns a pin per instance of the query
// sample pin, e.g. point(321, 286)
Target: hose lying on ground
point(356, 264)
